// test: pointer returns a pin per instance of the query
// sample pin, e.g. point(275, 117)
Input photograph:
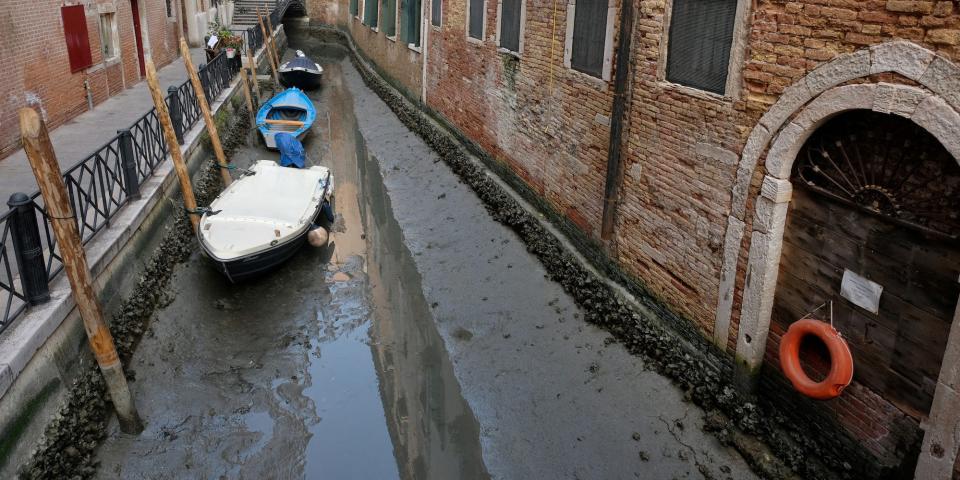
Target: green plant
point(215, 28)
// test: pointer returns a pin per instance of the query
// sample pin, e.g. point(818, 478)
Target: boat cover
point(256, 212)
point(301, 63)
point(291, 151)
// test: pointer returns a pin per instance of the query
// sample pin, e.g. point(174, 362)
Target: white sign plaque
point(860, 291)
point(213, 41)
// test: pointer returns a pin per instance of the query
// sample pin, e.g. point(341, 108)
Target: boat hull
point(290, 104)
point(262, 219)
point(247, 267)
point(301, 79)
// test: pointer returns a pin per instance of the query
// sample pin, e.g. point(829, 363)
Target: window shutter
point(78, 41)
point(589, 35)
point(436, 9)
point(390, 17)
point(701, 34)
point(510, 25)
point(410, 21)
point(476, 19)
point(370, 13)
point(354, 7)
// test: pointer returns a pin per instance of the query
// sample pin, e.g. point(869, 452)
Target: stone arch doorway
point(875, 197)
point(931, 113)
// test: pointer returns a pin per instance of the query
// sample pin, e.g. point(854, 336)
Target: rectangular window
point(511, 17)
point(475, 19)
point(410, 22)
point(108, 38)
point(169, 9)
point(436, 12)
point(589, 36)
point(75, 33)
point(389, 17)
point(354, 7)
point(701, 34)
point(370, 13)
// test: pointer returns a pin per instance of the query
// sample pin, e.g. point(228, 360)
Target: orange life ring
point(841, 361)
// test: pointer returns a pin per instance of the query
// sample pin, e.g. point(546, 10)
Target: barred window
point(701, 34)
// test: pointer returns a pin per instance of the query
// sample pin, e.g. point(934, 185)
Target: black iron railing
point(101, 184)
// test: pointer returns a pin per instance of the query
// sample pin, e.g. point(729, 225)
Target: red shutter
point(78, 42)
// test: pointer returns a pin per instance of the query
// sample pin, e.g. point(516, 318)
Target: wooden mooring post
point(252, 65)
point(273, 41)
point(207, 115)
point(246, 91)
point(274, 65)
point(189, 201)
point(43, 161)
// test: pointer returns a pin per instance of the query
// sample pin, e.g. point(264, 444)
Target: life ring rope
point(841, 360)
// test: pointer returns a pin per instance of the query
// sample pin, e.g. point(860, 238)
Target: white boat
point(263, 217)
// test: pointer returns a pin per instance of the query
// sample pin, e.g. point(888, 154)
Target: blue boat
point(290, 111)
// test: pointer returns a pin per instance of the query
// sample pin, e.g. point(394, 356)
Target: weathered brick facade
point(701, 211)
point(37, 68)
point(398, 62)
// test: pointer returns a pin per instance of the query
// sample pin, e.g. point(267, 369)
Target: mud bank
point(755, 429)
point(70, 439)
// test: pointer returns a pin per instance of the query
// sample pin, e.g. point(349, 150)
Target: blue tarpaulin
point(291, 151)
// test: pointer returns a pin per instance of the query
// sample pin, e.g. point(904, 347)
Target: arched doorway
point(876, 202)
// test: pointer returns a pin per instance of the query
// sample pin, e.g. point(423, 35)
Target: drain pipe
point(86, 86)
point(611, 195)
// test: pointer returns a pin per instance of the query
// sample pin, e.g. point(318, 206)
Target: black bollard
point(28, 249)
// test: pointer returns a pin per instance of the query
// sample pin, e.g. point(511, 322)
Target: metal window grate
point(701, 34)
point(589, 34)
point(510, 24)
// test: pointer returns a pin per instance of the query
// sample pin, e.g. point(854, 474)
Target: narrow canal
point(424, 342)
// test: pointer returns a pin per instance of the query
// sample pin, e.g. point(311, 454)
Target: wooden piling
point(252, 65)
point(273, 40)
point(268, 50)
point(246, 91)
point(207, 115)
point(43, 161)
point(189, 201)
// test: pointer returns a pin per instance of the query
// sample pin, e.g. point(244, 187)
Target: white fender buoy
point(318, 237)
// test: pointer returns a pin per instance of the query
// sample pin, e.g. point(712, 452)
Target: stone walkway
point(79, 137)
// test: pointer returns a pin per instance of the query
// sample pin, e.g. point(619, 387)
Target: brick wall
point(37, 67)
point(400, 64)
point(549, 124)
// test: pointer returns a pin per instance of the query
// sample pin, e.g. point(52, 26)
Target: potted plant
point(233, 43)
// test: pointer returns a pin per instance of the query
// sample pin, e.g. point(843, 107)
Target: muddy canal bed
point(423, 342)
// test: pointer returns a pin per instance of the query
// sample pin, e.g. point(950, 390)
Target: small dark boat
point(301, 72)
point(289, 111)
point(262, 218)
